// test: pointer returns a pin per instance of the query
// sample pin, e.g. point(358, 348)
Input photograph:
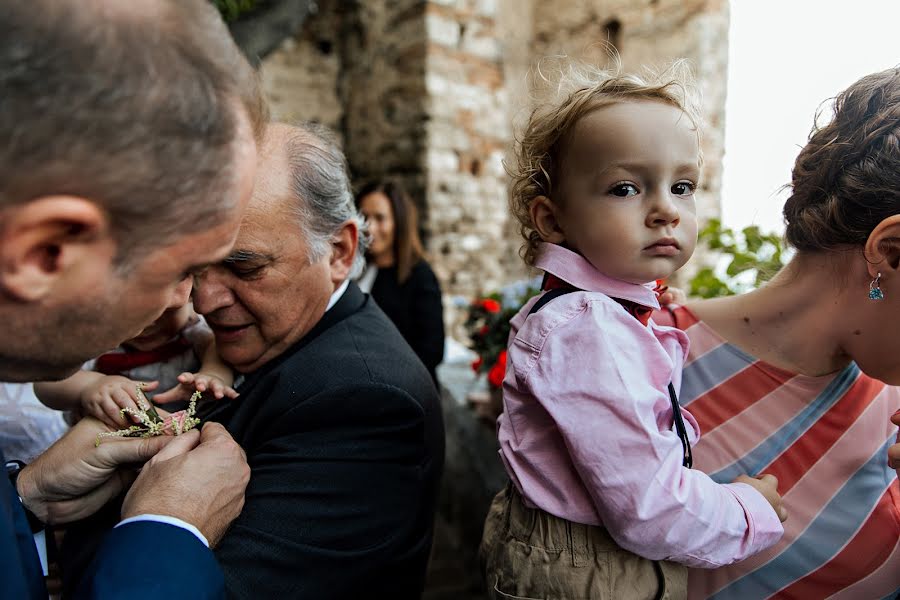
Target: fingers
point(122, 451)
point(149, 386)
point(894, 456)
point(174, 395)
point(217, 388)
point(182, 444)
point(895, 418)
point(65, 511)
point(231, 392)
point(108, 412)
point(214, 432)
point(123, 399)
point(769, 480)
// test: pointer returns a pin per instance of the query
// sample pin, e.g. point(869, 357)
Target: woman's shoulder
point(422, 268)
point(422, 273)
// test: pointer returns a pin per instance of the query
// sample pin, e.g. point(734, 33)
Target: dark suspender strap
point(688, 460)
point(548, 296)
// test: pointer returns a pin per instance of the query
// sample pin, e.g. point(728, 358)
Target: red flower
point(476, 364)
point(484, 330)
point(498, 371)
point(490, 305)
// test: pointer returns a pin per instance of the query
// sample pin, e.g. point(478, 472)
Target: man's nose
point(181, 294)
point(210, 293)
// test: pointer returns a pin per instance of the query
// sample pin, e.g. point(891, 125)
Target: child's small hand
point(201, 382)
point(672, 295)
point(106, 397)
point(894, 450)
point(767, 485)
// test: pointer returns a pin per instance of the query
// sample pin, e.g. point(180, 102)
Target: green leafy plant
point(233, 9)
point(750, 258)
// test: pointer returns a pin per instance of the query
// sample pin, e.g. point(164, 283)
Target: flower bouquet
point(487, 326)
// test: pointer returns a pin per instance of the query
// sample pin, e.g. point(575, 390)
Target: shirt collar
point(337, 294)
point(577, 271)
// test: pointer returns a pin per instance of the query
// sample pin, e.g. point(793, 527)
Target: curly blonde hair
point(580, 89)
point(846, 180)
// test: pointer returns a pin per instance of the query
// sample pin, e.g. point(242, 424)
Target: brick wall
point(431, 92)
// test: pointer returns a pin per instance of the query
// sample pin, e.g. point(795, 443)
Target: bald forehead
point(273, 171)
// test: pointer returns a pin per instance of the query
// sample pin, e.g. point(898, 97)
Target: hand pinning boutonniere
point(151, 424)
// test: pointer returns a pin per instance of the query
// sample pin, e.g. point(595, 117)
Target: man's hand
point(73, 478)
point(202, 485)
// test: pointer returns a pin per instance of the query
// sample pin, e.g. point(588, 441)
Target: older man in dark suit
point(340, 420)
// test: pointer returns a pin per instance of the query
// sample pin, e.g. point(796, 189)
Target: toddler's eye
point(683, 188)
point(623, 190)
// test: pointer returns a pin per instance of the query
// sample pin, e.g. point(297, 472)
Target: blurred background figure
point(397, 275)
point(27, 427)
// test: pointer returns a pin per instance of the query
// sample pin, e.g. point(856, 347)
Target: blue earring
point(875, 292)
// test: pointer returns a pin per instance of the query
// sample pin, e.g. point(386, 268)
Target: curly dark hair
point(847, 178)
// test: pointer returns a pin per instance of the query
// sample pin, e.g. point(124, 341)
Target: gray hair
point(136, 107)
point(321, 186)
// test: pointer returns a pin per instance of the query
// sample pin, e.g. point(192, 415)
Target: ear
point(544, 216)
point(45, 241)
point(343, 252)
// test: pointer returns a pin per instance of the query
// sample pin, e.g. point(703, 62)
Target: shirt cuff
point(170, 521)
point(765, 526)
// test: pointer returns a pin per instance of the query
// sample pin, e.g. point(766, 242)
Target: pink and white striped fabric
point(826, 440)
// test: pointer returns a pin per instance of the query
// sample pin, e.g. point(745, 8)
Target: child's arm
point(220, 376)
point(102, 396)
point(602, 378)
point(65, 394)
point(213, 375)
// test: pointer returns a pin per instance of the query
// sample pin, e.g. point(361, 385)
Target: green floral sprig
point(150, 424)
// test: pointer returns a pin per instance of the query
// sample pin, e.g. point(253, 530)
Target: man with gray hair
point(340, 420)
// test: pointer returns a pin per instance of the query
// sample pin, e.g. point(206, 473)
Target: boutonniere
point(151, 424)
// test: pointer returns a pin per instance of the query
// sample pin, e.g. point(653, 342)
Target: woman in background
point(397, 275)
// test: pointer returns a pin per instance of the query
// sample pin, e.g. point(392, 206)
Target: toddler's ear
point(543, 215)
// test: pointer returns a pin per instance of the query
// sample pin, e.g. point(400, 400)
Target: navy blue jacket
point(136, 561)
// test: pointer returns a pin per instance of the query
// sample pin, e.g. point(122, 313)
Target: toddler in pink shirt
point(602, 501)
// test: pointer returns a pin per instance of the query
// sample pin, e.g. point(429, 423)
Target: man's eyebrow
point(246, 256)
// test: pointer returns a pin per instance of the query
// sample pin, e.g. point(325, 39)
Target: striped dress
point(826, 439)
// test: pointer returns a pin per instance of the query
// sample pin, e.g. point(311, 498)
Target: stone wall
point(469, 132)
point(652, 32)
point(431, 92)
point(300, 77)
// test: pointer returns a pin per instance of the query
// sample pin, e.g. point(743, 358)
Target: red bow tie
point(638, 311)
point(116, 363)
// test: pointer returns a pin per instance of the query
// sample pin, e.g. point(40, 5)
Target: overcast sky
point(786, 57)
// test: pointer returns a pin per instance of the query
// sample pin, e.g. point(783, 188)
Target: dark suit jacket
point(345, 442)
point(415, 308)
point(138, 560)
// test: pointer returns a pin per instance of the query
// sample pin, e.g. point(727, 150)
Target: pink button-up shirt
point(587, 432)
